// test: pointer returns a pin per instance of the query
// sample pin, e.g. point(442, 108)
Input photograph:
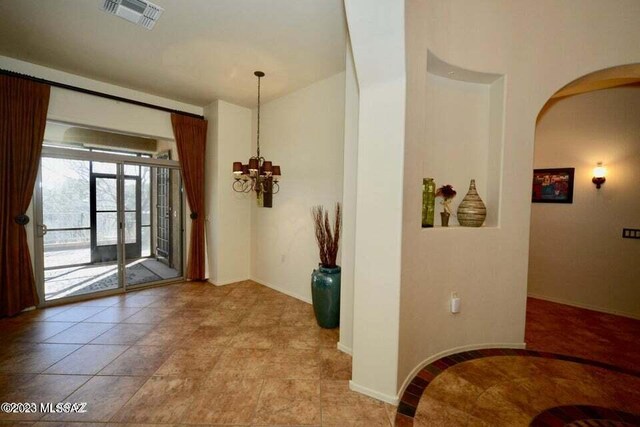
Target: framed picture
point(553, 185)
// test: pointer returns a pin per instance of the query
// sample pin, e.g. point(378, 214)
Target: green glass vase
point(428, 202)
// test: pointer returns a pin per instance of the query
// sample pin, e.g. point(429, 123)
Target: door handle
point(43, 229)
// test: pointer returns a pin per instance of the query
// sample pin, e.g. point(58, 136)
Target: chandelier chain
point(258, 130)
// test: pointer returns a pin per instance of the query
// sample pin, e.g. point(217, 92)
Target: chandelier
point(259, 175)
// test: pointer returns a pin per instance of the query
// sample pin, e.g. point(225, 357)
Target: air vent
point(139, 12)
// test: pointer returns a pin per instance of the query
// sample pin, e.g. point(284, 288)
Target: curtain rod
point(95, 93)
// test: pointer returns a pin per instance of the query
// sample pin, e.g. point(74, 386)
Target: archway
point(582, 282)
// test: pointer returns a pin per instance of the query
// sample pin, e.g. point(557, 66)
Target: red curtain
point(191, 139)
point(23, 114)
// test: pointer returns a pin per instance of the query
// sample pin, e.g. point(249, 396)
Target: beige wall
point(349, 195)
point(539, 47)
point(376, 31)
point(577, 254)
point(303, 132)
point(228, 212)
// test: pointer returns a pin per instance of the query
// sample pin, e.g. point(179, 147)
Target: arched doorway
point(583, 281)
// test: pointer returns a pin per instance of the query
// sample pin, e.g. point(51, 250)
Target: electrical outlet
point(455, 303)
point(630, 233)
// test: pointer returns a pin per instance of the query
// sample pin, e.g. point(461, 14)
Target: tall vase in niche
point(472, 211)
point(428, 202)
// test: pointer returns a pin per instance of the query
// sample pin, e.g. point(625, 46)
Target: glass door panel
point(106, 236)
point(145, 207)
point(163, 214)
point(132, 205)
point(158, 230)
point(75, 220)
point(104, 217)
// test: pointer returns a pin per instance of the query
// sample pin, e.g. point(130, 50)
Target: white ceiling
point(199, 50)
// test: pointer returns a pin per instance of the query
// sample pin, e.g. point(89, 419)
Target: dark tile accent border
point(589, 415)
point(413, 393)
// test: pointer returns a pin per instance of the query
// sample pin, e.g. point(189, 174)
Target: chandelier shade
point(253, 165)
point(258, 175)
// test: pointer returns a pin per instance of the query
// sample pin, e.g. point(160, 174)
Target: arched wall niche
point(464, 133)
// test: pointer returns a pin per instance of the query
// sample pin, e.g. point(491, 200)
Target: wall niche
point(464, 134)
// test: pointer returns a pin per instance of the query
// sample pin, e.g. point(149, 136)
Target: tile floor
point(514, 388)
point(244, 354)
point(562, 329)
point(189, 353)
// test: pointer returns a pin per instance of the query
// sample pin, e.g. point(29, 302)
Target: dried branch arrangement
point(328, 240)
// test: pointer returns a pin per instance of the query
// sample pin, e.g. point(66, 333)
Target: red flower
point(446, 192)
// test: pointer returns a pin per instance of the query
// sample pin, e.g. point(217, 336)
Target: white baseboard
point(393, 400)
point(281, 290)
point(586, 306)
point(227, 282)
point(343, 348)
point(451, 351)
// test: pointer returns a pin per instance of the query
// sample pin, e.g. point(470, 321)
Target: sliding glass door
point(157, 232)
point(106, 222)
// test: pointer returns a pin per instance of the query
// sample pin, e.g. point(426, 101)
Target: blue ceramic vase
point(325, 291)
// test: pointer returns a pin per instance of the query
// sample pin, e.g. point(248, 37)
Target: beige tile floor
point(190, 353)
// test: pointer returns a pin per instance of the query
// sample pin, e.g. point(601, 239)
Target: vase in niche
point(444, 218)
point(472, 211)
point(428, 202)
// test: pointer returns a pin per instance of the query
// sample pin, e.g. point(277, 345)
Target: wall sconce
point(599, 173)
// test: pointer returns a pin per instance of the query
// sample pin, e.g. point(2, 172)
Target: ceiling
point(199, 50)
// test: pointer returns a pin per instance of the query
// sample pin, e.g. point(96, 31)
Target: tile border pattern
point(588, 414)
point(412, 394)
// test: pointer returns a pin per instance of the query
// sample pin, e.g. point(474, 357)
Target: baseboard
point(585, 306)
point(281, 290)
point(343, 348)
point(393, 400)
point(227, 282)
point(451, 351)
